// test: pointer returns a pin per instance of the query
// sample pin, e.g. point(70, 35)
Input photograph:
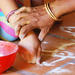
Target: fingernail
point(40, 39)
point(22, 36)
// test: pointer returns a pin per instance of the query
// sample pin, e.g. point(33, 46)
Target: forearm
point(60, 7)
point(7, 6)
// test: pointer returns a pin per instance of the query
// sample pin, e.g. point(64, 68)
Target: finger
point(18, 17)
point(43, 33)
point(24, 30)
point(22, 22)
point(17, 29)
point(38, 56)
point(22, 9)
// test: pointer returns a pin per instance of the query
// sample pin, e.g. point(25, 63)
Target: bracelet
point(47, 7)
point(9, 14)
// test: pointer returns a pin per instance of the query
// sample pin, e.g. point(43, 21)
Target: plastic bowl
point(8, 52)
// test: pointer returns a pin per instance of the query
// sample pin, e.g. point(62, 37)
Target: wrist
point(10, 14)
point(56, 9)
point(60, 7)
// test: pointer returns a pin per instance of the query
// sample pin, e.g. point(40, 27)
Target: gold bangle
point(47, 7)
point(54, 17)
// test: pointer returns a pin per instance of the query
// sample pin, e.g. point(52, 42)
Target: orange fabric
point(25, 2)
point(45, 1)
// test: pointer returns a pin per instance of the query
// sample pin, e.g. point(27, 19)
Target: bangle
point(47, 7)
point(9, 14)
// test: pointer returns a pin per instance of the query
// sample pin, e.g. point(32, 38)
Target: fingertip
point(40, 38)
point(21, 37)
point(38, 61)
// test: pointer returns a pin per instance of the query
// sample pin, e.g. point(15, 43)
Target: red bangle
point(9, 14)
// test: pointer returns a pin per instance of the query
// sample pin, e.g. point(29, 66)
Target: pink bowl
point(8, 52)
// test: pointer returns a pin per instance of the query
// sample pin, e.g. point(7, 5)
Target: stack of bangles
point(47, 7)
point(10, 13)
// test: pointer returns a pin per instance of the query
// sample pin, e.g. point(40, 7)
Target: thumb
point(17, 29)
point(43, 33)
point(24, 31)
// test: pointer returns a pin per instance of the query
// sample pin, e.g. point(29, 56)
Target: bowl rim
point(15, 51)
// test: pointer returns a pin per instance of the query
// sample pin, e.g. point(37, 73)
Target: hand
point(30, 48)
point(27, 19)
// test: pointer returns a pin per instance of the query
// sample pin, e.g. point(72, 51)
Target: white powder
point(61, 56)
point(58, 71)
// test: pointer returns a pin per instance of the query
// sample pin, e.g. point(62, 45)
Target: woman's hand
point(29, 48)
point(25, 20)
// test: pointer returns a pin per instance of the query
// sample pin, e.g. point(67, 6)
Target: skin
point(29, 50)
point(36, 17)
point(7, 6)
